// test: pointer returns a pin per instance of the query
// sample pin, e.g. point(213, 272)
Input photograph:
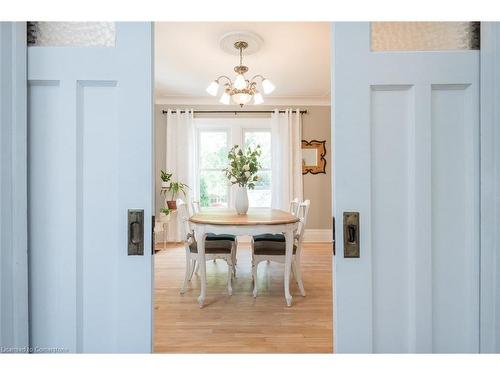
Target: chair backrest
point(195, 206)
point(302, 213)
point(183, 218)
point(294, 206)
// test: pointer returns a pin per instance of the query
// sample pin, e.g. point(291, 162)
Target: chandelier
point(242, 90)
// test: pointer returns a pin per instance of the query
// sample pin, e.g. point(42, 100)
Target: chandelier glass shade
point(241, 91)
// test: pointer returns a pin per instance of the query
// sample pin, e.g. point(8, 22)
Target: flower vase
point(241, 200)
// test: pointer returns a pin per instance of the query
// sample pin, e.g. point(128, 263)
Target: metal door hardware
point(153, 241)
point(135, 232)
point(351, 234)
point(333, 234)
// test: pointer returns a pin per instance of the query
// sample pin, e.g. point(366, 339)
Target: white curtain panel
point(180, 158)
point(286, 131)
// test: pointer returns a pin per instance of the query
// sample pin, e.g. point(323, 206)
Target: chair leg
point(186, 276)
point(194, 264)
point(235, 249)
point(254, 277)
point(229, 276)
point(233, 258)
point(298, 276)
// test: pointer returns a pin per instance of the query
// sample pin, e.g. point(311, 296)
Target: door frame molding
point(490, 188)
point(13, 189)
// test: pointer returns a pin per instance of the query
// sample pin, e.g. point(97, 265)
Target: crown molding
point(270, 100)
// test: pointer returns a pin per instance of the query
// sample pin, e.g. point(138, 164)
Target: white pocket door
point(406, 156)
point(90, 160)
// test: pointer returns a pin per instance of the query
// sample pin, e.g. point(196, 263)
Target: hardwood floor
point(240, 323)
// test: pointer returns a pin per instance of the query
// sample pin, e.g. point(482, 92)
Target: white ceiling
point(295, 56)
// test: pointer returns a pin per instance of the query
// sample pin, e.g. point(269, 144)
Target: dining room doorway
point(194, 133)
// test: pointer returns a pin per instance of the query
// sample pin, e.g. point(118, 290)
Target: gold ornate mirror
point(313, 157)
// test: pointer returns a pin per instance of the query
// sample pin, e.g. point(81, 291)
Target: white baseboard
point(318, 235)
point(244, 239)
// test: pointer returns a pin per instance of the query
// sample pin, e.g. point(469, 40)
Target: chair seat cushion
point(214, 247)
point(271, 248)
point(217, 237)
point(269, 237)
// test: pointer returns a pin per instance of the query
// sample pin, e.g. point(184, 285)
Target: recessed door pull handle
point(135, 228)
point(135, 232)
point(351, 235)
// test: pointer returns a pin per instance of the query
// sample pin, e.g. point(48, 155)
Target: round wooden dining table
point(256, 221)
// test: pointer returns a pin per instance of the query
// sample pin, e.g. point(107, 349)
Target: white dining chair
point(195, 207)
point(272, 247)
point(216, 247)
point(294, 206)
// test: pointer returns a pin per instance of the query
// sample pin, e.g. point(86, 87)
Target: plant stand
point(165, 232)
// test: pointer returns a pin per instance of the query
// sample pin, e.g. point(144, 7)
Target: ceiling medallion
point(241, 90)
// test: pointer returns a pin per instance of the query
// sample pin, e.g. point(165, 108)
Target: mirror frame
point(320, 147)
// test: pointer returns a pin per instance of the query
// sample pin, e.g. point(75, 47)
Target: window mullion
point(235, 134)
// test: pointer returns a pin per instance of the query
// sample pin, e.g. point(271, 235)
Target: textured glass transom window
point(424, 36)
point(71, 34)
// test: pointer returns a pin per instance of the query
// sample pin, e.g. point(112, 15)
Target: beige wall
point(317, 188)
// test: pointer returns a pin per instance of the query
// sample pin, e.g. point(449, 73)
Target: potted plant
point(165, 215)
point(175, 188)
point(165, 179)
point(242, 171)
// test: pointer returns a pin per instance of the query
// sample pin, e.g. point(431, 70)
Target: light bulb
point(258, 99)
point(268, 86)
point(225, 98)
point(213, 88)
point(242, 98)
point(239, 82)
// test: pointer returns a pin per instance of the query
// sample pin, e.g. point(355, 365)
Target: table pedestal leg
point(200, 240)
point(288, 264)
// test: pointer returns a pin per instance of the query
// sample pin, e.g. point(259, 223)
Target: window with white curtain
point(261, 195)
point(212, 154)
point(214, 138)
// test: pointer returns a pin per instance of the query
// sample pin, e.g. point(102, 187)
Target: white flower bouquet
point(243, 166)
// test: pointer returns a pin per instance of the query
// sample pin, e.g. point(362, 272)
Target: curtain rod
point(235, 112)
